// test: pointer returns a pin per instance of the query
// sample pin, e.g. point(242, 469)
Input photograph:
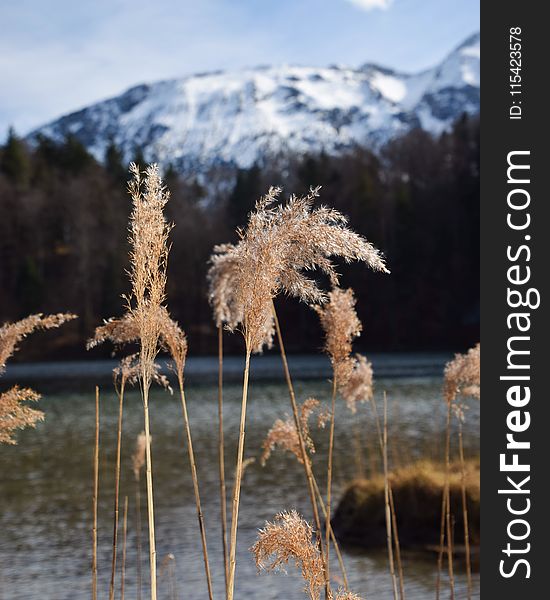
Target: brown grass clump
point(417, 488)
point(289, 538)
point(284, 435)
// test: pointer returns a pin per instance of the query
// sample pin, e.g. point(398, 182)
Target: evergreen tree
point(114, 163)
point(15, 161)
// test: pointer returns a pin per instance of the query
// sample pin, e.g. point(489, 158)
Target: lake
point(46, 489)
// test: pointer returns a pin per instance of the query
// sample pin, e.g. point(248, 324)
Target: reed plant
point(138, 461)
point(148, 262)
point(15, 414)
point(461, 380)
point(289, 539)
point(279, 244)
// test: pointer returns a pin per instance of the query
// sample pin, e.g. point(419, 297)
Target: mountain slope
point(242, 117)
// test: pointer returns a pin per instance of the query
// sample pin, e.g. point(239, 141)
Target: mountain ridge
point(242, 117)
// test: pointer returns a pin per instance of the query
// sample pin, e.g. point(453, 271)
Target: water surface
point(46, 484)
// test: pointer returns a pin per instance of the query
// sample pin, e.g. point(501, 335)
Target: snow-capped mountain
point(241, 117)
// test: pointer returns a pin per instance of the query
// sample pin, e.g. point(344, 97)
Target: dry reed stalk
point(221, 457)
point(333, 537)
point(95, 497)
point(302, 445)
point(138, 460)
point(465, 509)
point(387, 499)
point(283, 434)
point(175, 341)
point(120, 394)
point(341, 325)
point(441, 544)
point(124, 532)
point(461, 377)
point(397, 545)
point(445, 524)
point(395, 531)
point(328, 527)
point(235, 499)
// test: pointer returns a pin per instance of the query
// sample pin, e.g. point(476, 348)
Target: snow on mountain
point(242, 117)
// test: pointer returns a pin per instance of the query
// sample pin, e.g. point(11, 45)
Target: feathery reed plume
point(124, 532)
point(15, 415)
point(283, 434)
point(118, 331)
point(148, 262)
point(359, 385)
point(120, 392)
point(388, 511)
point(277, 246)
point(461, 378)
point(12, 333)
point(221, 296)
point(174, 340)
point(343, 595)
point(289, 538)
point(138, 457)
point(95, 497)
point(341, 325)
point(138, 461)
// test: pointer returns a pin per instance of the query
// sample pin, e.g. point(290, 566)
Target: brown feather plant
point(461, 379)
point(174, 340)
point(279, 245)
point(14, 414)
point(288, 539)
point(341, 326)
point(148, 236)
point(128, 372)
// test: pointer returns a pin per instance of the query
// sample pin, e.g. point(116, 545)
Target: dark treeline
point(63, 240)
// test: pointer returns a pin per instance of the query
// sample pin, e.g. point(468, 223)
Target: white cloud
point(371, 4)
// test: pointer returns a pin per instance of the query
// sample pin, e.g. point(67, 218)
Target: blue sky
point(59, 55)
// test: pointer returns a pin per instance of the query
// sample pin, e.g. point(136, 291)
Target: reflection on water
point(46, 484)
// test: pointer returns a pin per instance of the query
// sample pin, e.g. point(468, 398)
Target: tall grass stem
point(196, 490)
point(95, 497)
point(221, 457)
